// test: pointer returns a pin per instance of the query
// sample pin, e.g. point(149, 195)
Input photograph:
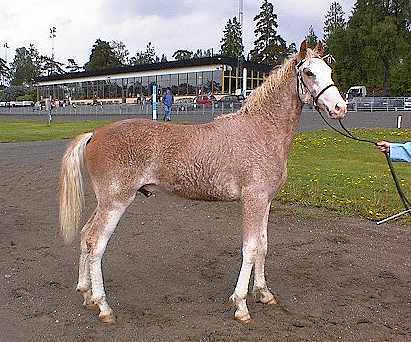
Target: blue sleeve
point(400, 152)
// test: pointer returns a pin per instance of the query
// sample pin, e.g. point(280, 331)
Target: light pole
point(52, 36)
point(239, 64)
point(5, 51)
point(4, 77)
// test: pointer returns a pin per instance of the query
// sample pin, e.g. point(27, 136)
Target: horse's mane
point(270, 89)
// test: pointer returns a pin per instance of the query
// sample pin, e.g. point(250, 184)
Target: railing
point(366, 104)
point(214, 109)
point(375, 104)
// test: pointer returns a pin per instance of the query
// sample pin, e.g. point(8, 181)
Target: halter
point(301, 85)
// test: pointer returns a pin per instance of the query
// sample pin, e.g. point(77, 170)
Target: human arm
point(397, 152)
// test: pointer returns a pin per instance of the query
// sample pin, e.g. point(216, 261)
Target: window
point(182, 85)
point(192, 84)
point(217, 77)
point(174, 84)
point(207, 78)
point(130, 87)
point(144, 86)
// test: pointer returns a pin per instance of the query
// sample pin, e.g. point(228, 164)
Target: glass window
point(192, 83)
point(217, 78)
point(207, 82)
point(182, 84)
point(144, 86)
point(174, 84)
point(131, 87)
point(151, 80)
point(137, 86)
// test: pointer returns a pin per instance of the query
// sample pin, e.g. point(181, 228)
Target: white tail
point(71, 187)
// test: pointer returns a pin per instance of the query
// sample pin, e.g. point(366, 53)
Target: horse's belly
point(228, 191)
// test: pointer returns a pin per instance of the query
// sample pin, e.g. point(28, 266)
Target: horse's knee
point(250, 252)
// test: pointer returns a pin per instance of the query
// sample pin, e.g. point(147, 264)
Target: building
point(133, 84)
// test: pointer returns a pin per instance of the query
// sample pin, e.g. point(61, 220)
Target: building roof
point(216, 60)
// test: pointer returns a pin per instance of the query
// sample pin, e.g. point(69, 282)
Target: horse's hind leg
point(260, 289)
point(84, 281)
point(96, 239)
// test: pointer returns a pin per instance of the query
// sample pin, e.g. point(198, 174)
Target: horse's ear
point(320, 48)
point(303, 50)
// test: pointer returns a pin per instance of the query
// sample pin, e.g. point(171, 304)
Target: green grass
point(331, 171)
point(24, 131)
point(325, 169)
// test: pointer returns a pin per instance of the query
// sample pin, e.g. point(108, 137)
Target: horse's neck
point(278, 112)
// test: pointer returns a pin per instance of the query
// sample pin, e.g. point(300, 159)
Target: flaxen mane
point(271, 88)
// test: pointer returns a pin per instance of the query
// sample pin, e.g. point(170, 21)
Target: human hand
point(383, 146)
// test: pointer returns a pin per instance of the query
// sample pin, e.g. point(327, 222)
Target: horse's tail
point(71, 186)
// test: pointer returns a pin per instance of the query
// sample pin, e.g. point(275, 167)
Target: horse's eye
point(308, 72)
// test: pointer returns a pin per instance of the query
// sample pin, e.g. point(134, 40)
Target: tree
point(163, 58)
point(334, 20)
point(232, 41)
point(145, 57)
point(373, 47)
point(26, 66)
point(311, 38)
point(182, 54)
point(72, 66)
point(269, 47)
point(4, 72)
point(203, 53)
point(51, 67)
point(380, 33)
point(102, 57)
point(120, 51)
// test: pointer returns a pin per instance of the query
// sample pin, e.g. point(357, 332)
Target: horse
point(240, 156)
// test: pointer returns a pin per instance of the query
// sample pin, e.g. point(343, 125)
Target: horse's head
point(314, 83)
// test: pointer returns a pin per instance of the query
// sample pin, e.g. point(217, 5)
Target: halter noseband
point(304, 86)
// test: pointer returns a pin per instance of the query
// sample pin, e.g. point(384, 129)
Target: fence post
point(399, 120)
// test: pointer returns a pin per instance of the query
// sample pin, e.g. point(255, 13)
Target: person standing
point(168, 101)
point(396, 152)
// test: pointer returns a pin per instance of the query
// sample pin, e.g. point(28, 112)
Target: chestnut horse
point(237, 157)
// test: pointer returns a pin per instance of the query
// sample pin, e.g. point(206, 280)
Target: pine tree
point(4, 72)
point(311, 38)
point(334, 20)
point(269, 47)
point(232, 41)
point(145, 57)
point(180, 55)
point(120, 51)
point(102, 57)
point(72, 66)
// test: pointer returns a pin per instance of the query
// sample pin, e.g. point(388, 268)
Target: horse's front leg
point(253, 216)
point(260, 289)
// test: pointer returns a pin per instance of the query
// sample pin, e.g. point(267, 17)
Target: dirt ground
point(172, 265)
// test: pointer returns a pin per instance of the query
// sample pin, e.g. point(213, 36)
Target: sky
point(169, 25)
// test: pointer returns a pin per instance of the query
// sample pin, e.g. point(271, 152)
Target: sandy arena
point(172, 265)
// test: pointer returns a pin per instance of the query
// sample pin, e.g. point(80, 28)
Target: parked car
point(206, 100)
point(407, 103)
point(228, 101)
point(184, 103)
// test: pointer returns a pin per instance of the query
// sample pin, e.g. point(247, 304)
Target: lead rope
point(348, 134)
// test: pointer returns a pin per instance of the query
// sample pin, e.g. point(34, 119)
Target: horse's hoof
point(244, 318)
point(268, 301)
point(108, 319)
